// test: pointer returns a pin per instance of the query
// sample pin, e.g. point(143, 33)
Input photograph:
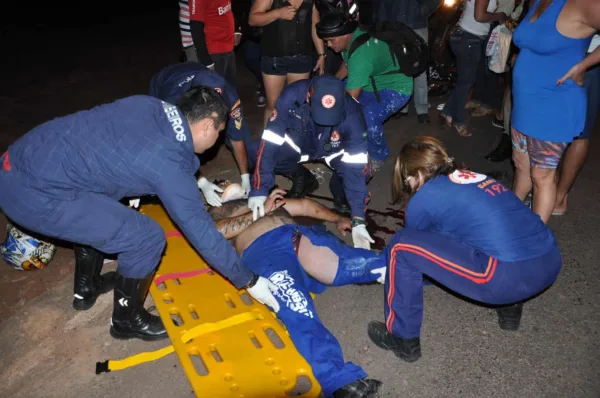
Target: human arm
point(577, 72)
point(197, 20)
point(260, 16)
point(482, 15)
point(318, 42)
point(359, 72)
point(342, 72)
point(178, 193)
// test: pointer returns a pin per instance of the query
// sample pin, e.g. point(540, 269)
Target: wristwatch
point(356, 221)
point(252, 282)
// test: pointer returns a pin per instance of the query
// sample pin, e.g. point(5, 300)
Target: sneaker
point(408, 350)
point(363, 388)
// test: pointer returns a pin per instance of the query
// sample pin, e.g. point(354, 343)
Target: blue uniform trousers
point(411, 254)
point(272, 256)
point(375, 114)
point(87, 219)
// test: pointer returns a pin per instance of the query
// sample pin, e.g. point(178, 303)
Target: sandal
point(461, 129)
point(445, 121)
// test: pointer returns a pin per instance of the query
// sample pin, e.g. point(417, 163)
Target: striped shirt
point(184, 24)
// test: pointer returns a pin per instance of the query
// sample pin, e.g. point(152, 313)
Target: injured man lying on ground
point(299, 260)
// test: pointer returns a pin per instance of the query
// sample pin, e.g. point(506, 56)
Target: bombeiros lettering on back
point(175, 120)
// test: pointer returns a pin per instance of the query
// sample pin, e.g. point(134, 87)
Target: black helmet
point(335, 23)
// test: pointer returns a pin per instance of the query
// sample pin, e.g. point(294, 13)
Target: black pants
point(225, 66)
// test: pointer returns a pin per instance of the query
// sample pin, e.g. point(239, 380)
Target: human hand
point(237, 39)
point(209, 190)
point(343, 224)
point(275, 200)
point(576, 73)
point(262, 291)
point(320, 65)
point(257, 205)
point(361, 237)
point(501, 17)
point(288, 13)
point(246, 187)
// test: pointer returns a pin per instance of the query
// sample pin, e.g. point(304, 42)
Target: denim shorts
point(281, 66)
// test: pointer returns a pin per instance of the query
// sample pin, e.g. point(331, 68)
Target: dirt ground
point(50, 350)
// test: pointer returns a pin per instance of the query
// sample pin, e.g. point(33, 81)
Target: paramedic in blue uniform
point(317, 120)
point(469, 233)
point(175, 80)
point(64, 179)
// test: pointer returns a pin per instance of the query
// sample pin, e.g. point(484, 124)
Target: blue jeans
point(468, 51)
point(420, 86)
point(592, 85)
point(375, 114)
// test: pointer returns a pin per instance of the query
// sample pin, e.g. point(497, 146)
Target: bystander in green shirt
point(374, 58)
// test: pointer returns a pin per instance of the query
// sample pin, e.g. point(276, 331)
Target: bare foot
point(446, 120)
point(560, 207)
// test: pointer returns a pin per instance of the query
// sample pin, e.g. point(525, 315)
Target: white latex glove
point(381, 272)
point(262, 292)
point(361, 237)
point(246, 184)
point(209, 190)
point(135, 203)
point(257, 205)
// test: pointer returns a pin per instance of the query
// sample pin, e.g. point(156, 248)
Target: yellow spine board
point(242, 350)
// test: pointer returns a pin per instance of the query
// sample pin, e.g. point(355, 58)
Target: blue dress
point(541, 108)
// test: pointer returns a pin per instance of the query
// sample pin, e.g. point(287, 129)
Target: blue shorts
point(273, 256)
point(281, 66)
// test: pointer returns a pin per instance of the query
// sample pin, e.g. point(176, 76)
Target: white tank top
point(467, 20)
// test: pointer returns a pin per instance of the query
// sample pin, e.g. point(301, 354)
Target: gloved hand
point(262, 291)
point(361, 237)
point(257, 205)
point(246, 184)
point(381, 272)
point(135, 203)
point(209, 190)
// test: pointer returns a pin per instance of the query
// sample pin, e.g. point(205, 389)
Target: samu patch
point(236, 113)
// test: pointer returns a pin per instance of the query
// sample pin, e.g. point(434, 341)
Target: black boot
point(406, 349)
point(89, 284)
point(303, 182)
point(509, 318)
point(502, 152)
point(130, 319)
point(341, 206)
point(363, 388)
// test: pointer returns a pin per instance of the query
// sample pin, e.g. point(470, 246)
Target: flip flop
point(559, 213)
point(444, 120)
point(461, 130)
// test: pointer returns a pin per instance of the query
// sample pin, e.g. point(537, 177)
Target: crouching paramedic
point(373, 73)
point(315, 120)
point(64, 179)
point(469, 233)
point(171, 83)
point(299, 260)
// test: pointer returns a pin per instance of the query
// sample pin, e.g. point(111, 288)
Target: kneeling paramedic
point(316, 120)
point(64, 179)
point(469, 233)
point(171, 83)
point(373, 73)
